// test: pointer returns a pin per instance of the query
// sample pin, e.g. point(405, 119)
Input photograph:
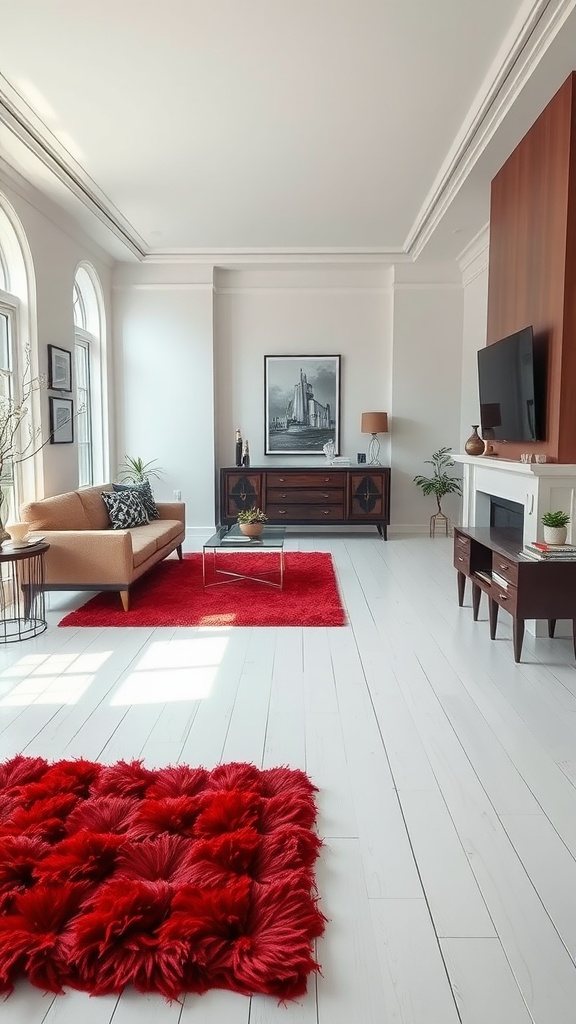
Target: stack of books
point(550, 552)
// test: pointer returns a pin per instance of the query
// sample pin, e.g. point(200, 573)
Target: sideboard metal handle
point(326, 512)
point(281, 511)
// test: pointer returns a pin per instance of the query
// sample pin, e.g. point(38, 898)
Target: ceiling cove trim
point(473, 260)
point(542, 24)
point(225, 258)
point(37, 138)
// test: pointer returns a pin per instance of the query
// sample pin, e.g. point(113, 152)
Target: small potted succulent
point(555, 524)
point(251, 521)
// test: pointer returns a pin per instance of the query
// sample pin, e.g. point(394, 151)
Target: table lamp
point(374, 423)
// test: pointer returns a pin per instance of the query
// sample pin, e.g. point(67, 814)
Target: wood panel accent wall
point(532, 262)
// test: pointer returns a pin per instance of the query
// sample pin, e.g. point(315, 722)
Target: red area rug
point(175, 880)
point(172, 594)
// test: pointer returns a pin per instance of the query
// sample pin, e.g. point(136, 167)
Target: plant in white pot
point(251, 521)
point(555, 527)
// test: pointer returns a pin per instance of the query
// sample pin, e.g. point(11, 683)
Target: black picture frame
point(301, 404)
point(61, 420)
point(59, 369)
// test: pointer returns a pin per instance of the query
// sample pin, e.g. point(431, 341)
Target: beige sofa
point(86, 554)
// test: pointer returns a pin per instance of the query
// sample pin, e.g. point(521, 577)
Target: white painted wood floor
point(446, 772)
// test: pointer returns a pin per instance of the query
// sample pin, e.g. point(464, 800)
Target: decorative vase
point(555, 534)
point(474, 445)
point(251, 529)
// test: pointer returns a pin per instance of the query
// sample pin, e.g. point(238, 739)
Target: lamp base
point(374, 451)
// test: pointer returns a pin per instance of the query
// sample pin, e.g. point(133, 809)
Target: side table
point(22, 601)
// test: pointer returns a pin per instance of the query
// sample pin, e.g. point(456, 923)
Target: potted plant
point(555, 524)
point(439, 484)
point(251, 521)
point(135, 471)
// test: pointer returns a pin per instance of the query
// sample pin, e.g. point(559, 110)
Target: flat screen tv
point(510, 388)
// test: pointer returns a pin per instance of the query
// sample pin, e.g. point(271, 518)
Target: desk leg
point(461, 586)
point(551, 627)
point(493, 617)
point(476, 595)
point(517, 636)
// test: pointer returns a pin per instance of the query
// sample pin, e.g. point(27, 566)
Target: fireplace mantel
point(538, 486)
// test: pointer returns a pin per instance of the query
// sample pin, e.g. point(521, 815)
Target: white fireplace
point(537, 487)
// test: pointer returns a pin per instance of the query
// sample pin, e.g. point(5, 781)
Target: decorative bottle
point(474, 445)
point(246, 455)
point(238, 447)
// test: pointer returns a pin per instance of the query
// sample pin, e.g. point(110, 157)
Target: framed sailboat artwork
point(302, 404)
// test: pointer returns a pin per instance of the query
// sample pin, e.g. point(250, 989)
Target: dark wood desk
point(530, 589)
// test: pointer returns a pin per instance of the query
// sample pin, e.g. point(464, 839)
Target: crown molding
point(473, 260)
point(526, 48)
point(27, 127)
point(230, 258)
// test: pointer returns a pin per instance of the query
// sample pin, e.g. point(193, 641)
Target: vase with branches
point(19, 440)
point(439, 484)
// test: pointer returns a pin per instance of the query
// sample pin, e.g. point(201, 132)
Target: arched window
point(88, 364)
point(18, 480)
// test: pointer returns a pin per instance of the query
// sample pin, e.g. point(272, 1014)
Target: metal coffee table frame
point(271, 539)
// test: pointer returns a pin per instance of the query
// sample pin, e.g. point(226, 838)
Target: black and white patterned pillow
point(125, 509)
point(145, 491)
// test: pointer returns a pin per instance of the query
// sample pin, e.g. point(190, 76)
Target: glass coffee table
point(271, 539)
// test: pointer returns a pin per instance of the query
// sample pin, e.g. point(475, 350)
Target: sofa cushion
point(94, 507)
point(125, 509)
point(144, 543)
point(145, 491)
point(62, 512)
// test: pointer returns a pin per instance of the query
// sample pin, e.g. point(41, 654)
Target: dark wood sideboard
point(531, 589)
point(342, 496)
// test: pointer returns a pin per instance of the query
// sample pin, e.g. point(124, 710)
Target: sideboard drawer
point(310, 513)
point(315, 480)
point(299, 495)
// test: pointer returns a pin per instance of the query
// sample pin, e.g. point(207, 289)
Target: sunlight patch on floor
point(52, 679)
point(171, 671)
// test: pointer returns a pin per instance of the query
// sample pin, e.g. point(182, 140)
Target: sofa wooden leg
point(179, 550)
point(125, 598)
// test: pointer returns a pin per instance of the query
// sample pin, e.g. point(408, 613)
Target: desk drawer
point(506, 597)
point(307, 513)
point(462, 560)
point(315, 480)
point(298, 495)
point(505, 567)
point(462, 548)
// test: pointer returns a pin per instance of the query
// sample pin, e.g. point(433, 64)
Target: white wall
point(57, 247)
point(163, 362)
point(427, 368)
point(475, 297)
point(318, 311)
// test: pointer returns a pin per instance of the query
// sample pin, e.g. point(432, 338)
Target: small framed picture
point(361, 458)
point(61, 421)
point(59, 369)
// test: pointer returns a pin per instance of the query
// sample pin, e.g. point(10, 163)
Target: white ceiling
point(288, 128)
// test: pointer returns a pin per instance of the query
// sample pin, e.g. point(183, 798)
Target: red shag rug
point(172, 594)
point(175, 880)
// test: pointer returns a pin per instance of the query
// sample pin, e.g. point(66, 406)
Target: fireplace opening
point(507, 515)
